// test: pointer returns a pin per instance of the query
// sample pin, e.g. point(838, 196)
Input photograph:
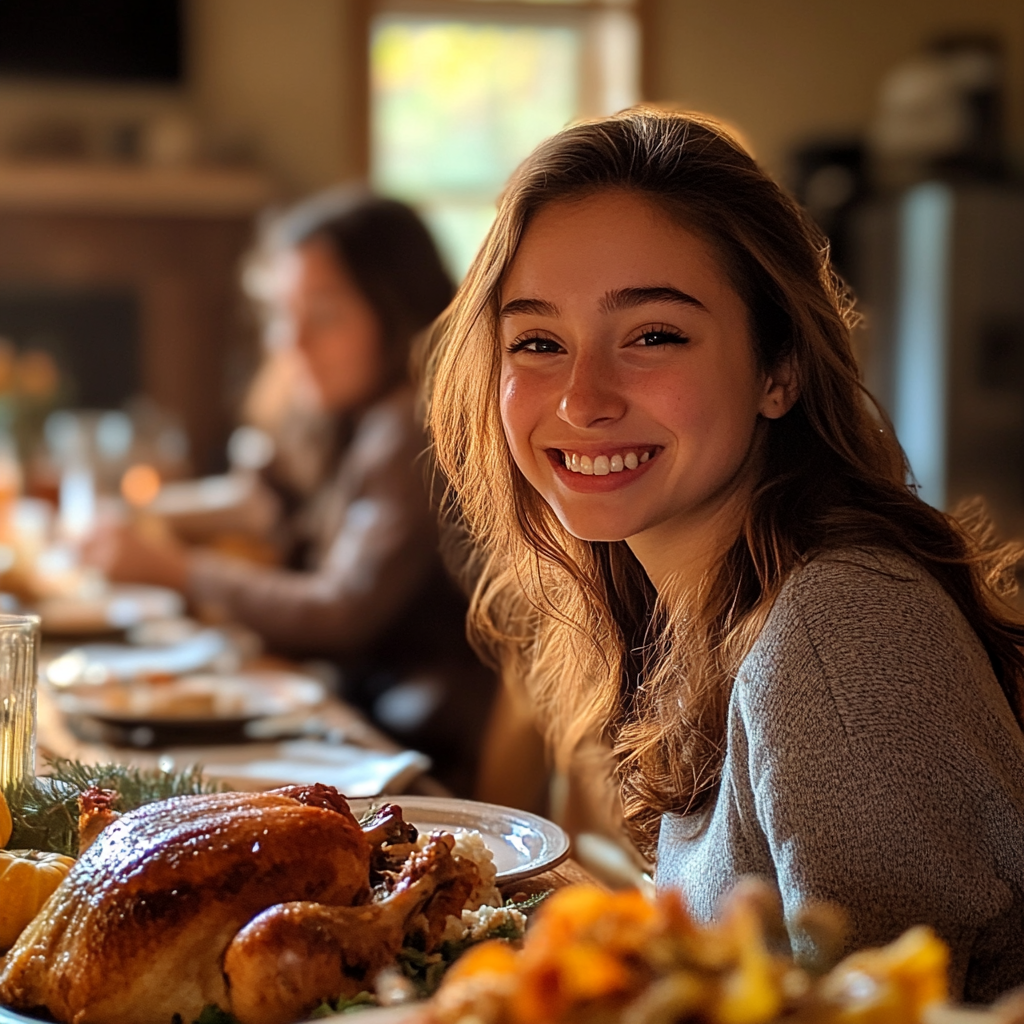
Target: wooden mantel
point(126, 189)
point(174, 237)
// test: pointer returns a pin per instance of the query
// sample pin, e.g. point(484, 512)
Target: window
point(462, 91)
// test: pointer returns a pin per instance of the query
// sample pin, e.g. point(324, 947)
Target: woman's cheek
point(677, 403)
point(520, 414)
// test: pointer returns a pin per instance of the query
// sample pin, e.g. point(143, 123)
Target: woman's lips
point(606, 470)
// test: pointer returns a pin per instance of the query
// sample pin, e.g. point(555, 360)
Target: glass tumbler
point(19, 656)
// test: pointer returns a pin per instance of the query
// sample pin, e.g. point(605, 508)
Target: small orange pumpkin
point(6, 822)
point(27, 880)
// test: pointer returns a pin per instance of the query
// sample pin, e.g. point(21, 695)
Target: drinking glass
point(19, 655)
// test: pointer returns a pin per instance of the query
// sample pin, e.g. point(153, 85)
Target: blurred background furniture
point(153, 254)
point(943, 276)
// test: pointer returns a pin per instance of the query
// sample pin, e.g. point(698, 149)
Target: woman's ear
point(781, 390)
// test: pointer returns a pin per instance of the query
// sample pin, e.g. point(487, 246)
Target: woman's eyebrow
point(627, 298)
point(620, 298)
point(528, 307)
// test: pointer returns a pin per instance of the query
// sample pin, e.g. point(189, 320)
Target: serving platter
point(10, 1017)
point(523, 844)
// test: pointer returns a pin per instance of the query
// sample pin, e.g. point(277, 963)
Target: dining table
point(341, 731)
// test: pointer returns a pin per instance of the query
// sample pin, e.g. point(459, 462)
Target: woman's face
point(630, 391)
point(332, 325)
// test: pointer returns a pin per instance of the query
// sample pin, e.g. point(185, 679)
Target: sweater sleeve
point(381, 555)
point(873, 724)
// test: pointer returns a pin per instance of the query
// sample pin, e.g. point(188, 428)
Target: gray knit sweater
point(872, 761)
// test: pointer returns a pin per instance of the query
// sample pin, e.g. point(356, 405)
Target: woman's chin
point(596, 528)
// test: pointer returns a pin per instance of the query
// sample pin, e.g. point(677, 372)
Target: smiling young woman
point(694, 540)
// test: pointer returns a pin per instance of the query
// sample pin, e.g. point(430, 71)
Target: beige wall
point(783, 71)
point(280, 74)
point(275, 70)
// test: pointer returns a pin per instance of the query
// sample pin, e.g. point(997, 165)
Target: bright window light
point(458, 103)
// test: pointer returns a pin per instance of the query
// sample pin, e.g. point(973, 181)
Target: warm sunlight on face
point(331, 324)
point(630, 391)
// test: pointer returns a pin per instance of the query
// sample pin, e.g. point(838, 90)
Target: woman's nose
point(592, 396)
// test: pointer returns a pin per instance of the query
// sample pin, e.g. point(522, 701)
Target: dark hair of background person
point(385, 247)
point(600, 652)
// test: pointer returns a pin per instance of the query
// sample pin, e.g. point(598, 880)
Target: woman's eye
point(535, 345)
point(654, 337)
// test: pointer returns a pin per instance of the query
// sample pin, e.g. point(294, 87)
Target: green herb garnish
point(45, 809)
point(530, 903)
point(360, 1001)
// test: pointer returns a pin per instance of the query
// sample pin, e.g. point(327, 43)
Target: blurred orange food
point(619, 958)
point(140, 485)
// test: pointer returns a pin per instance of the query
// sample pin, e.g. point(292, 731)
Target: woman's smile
point(594, 469)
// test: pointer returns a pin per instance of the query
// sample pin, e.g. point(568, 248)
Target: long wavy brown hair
point(578, 623)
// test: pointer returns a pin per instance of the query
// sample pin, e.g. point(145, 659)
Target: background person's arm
point(382, 555)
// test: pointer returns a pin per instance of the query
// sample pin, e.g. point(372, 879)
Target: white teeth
point(602, 465)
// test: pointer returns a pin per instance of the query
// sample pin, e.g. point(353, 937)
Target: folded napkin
point(354, 771)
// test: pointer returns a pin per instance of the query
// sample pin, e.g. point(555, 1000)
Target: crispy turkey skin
point(137, 931)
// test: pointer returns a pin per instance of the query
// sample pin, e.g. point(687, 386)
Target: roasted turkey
point(282, 963)
point(138, 932)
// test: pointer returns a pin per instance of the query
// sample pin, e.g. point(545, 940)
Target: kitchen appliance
point(941, 281)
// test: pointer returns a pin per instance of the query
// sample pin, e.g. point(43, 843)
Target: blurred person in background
point(350, 280)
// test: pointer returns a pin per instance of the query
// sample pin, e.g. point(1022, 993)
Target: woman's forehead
point(607, 241)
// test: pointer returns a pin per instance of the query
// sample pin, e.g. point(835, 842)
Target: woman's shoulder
point(849, 568)
point(860, 620)
point(841, 588)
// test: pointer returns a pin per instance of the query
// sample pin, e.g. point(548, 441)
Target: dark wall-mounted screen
point(97, 40)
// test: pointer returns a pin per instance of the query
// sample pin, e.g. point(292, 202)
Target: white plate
point(208, 700)
point(92, 664)
point(523, 844)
